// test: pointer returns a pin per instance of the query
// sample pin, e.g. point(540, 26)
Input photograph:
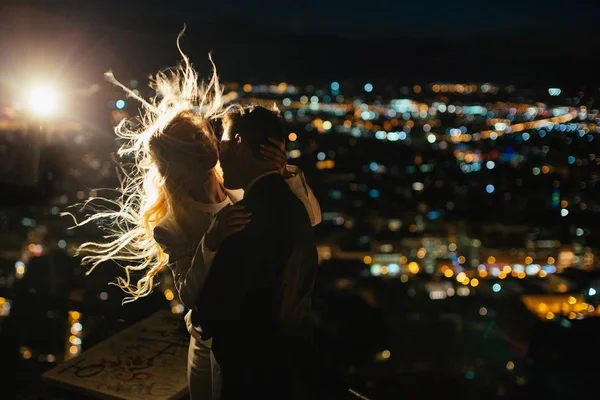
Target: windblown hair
point(150, 188)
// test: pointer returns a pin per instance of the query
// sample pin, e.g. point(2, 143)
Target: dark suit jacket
point(263, 352)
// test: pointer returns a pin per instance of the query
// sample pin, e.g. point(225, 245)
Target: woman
point(174, 201)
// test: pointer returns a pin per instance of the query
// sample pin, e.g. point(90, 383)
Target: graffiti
point(147, 360)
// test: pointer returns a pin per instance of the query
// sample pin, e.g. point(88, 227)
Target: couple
point(249, 279)
point(211, 197)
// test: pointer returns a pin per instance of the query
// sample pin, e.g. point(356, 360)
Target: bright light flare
point(42, 100)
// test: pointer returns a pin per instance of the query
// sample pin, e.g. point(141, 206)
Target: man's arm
point(238, 264)
point(298, 185)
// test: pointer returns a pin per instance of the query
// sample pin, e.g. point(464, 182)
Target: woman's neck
point(210, 191)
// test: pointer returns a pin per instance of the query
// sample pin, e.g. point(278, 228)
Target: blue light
point(321, 156)
point(120, 104)
point(380, 135)
point(393, 136)
point(433, 215)
point(368, 88)
point(542, 133)
point(526, 136)
point(571, 159)
point(373, 166)
point(490, 188)
point(393, 268)
point(374, 193)
point(496, 287)
point(335, 86)
point(490, 164)
point(592, 292)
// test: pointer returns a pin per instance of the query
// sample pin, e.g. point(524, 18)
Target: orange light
point(292, 137)
point(528, 260)
point(448, 273)
point(491, 260)
point(417, 89)
point(551, 260)
point(483, 273)
point(247, 88)
point(367, 259)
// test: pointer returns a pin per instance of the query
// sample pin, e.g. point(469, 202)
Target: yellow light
point(502, 275)
point(75, 314)
point(474, 282)
point(72, 339)
point(510, 365)
point(528, 260)
point(413, 267)
point(483, 273)
point(549, 315)
point(169, 294)
point(542, 307)
point(2, 301)
point(543, 274)
point(448, 273)
point(572, 315)
point(386, 354)
point(462, 259)
point(507, 269)
point(42, 101)
point(367, 259)
point(551, 260)
point(572, 300)
point(384, 270)
point(73, 350)
point(292, 137)
point(247, 88)
point(20, 270)
point(466, 281)
point(31, 247)
point(461, 276)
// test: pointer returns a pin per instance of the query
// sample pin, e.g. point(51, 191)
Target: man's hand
point(231, 218)
point(275, 153)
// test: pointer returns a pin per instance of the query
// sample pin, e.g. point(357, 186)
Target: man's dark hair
point(256, 124)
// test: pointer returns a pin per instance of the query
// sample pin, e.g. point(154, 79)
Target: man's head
point(244, 131)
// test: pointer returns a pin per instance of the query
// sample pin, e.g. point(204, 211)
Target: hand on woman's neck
point(208, 189)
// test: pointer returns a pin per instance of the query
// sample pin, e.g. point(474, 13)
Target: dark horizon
point(81, 47)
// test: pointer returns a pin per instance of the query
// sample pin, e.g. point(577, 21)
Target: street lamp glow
point(42, 100)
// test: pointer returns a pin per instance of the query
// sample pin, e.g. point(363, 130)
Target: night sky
point(527, 41)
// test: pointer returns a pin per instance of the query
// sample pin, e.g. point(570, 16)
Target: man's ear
point(238, 141)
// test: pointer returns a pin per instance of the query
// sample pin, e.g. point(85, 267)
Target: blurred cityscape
point(458, 248)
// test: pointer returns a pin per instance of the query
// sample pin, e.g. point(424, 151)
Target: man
point(256, 304)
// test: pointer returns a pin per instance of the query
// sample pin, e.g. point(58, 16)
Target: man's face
point(230, 159)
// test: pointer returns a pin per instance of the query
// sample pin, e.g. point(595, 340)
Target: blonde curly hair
point(151, 189)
